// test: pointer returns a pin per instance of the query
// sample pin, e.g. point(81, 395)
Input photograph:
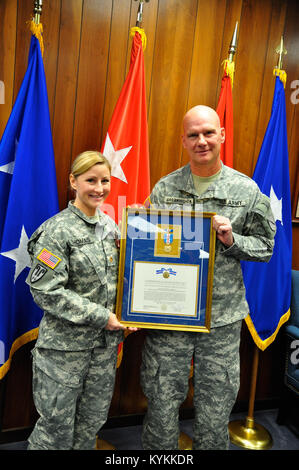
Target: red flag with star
point(126, 143)
point(225, 113)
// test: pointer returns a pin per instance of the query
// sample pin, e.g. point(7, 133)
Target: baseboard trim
point(22, 434)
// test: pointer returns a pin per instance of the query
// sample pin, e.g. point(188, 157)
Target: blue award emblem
point(168, 238)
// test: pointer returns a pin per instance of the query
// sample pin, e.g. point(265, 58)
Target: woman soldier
point(73, 279)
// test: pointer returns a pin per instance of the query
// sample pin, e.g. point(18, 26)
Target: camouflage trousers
point(165, 371)
point(72, 392)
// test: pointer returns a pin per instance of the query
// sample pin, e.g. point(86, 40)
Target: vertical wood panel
point(296, 247)
point(294, 157)
point(24, 15)
point(170, 84)
point(132, 399)
point(118, 48)
point(65, 96)
point(291, 66)
point(252, 50)
point(8, 25)
point(50, 20)
point(206, 53)
point(20, 410)
point(92, 75)
point(276, 31)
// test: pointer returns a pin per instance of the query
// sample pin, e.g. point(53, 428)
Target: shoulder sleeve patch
point(48, 258)
point(38, 272)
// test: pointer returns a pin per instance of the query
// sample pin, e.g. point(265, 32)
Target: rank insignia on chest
point(49, 258)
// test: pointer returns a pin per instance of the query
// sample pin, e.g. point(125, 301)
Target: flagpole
point(140, 13)
point(249, 434)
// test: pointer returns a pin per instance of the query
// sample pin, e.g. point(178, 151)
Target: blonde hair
point(86, 160)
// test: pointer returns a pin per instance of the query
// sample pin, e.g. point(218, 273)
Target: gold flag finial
point(38, 6)
point(229, 65)
point(278, 69)
point(281, 51)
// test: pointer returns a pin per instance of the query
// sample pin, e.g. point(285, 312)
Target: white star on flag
point(276, 205)
point(115, 158)
point(19, 255)
point(9, 167)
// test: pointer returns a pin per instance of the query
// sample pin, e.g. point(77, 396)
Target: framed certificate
point(166, 269)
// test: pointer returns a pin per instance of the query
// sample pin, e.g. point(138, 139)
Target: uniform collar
point(104, 225)
point(90, 220)
point(217, 188)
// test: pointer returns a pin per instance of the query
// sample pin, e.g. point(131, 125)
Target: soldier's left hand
point(113, 324)
point(223, 229)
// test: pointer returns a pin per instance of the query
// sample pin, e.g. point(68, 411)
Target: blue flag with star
point(28, 196)
point(268, 285)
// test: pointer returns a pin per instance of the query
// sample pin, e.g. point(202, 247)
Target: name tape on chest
point(178, 200)
point(48, 258)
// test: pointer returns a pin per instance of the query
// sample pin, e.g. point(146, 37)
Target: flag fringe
point(229, 69)
point(147, 203)
point(135, 29)
point(31, 336)
point(263, 344)
point(281, 74)
point(37, 31)
point(120, 349)
point(20, 341)
point(119, 355)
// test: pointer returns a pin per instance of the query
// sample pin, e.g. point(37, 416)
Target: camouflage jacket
point(73, 279)
point(238, 198)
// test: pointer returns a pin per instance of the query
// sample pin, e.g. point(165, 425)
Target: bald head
point(201, 112)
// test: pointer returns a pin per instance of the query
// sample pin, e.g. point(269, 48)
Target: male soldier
point(245, 231)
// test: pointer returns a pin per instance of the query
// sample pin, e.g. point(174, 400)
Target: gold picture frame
point(166, 269)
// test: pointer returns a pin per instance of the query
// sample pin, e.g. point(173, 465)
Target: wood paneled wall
point(86, 58)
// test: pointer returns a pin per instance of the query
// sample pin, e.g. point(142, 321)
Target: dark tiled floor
point(283, 438)
point(128, 438)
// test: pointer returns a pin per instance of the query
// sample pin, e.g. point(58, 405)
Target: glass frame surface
point(166, 269)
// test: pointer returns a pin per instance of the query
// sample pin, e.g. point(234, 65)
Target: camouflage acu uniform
point(73, 279)
point(167, 355)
